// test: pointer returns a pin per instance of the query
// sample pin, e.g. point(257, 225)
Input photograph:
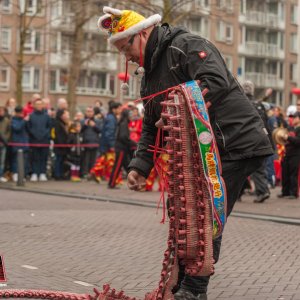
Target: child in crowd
point(19, 135)
point(74, 158)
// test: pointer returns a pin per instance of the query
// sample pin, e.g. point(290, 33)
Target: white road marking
point(83, 283)
point(29, 267)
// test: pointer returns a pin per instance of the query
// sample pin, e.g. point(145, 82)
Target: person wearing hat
point(291, 161)
point(168, 56)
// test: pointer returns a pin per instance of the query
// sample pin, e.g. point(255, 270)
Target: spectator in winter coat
point(39, 126)
point(259, 176)
point(291, 162)
point(61, 138)
point(10, 107)
point(91, 129)
point(135, 124)
point(75, 138)
point(29, 108)
point(19, 135)
point(109, 127)
point(4, 137)
point(123, 146)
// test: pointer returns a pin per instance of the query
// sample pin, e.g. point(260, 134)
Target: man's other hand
point(135, 181)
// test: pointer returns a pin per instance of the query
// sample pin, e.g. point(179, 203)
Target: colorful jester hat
point(120, 24)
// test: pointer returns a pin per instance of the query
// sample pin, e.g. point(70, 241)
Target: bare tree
point(26, 16)
point(84, 11)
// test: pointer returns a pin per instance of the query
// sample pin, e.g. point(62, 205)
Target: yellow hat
point(121, 24)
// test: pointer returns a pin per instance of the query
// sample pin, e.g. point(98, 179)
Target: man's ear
point(144, 33)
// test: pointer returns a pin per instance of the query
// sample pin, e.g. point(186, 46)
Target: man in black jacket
point(170, 56)
point(39, 126)
point(91, 129)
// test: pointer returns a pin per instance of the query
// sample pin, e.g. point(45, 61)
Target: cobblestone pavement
point(70, 240)
point(272, 206)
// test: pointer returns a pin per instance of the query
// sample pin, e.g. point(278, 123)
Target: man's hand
point(135, 181)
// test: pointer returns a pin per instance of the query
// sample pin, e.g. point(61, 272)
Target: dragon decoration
point(196, 195)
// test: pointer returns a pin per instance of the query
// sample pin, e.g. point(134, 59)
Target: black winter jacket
point(39, 126)
point(174, 56)
point(61, 137)
point(123, 141)
point(91, 134)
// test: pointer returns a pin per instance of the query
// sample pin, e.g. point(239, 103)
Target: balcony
point(273, 20)
point(65, 22)
point(253, 18)
point(263, 80)
point(104, 61)
point(253, 48)
point(262, 19)
point(273, 81)
point(91, 25)
point(86, 91)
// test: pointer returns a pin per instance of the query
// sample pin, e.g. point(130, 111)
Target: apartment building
point(258, 39)
point(268, 46)
point(47, 55)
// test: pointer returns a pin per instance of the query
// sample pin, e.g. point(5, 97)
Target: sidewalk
point(99, 191)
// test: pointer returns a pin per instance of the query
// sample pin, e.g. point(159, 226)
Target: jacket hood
point(166, 34)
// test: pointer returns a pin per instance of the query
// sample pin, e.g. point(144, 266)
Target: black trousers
point(290, 172)
point(121, 160)
point(89, 159)
point(260, 180)
point(234, 174)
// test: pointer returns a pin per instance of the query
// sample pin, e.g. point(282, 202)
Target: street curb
point(143, 203)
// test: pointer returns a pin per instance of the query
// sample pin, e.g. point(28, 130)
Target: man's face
point(298, 105)
point(89, 113)
point(38, 105)
point(130, 47)
point(296, 121)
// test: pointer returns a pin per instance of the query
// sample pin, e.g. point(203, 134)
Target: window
point(66, 42)
point(31, 79)
point(229, 62)
point(58, 80)
point(94, 79)
point(5, 39)
point(224, 32)
point(294, 14)
point(6, 6)
point(95, 82)
point(4, 78)
point(293, 72)
point(202, 3)
point(67, 7)
point(199, 26)
point(34, 7)
point(33, 42)
point(98, 43)
point(225, 4)
point(293, 43)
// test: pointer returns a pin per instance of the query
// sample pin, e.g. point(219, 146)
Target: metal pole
point(21, 171)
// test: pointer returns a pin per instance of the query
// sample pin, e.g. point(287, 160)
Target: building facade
point(259, 41)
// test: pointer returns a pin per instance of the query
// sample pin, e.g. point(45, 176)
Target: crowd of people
point(56, 146)
point(282, 168)
point(99, 143)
